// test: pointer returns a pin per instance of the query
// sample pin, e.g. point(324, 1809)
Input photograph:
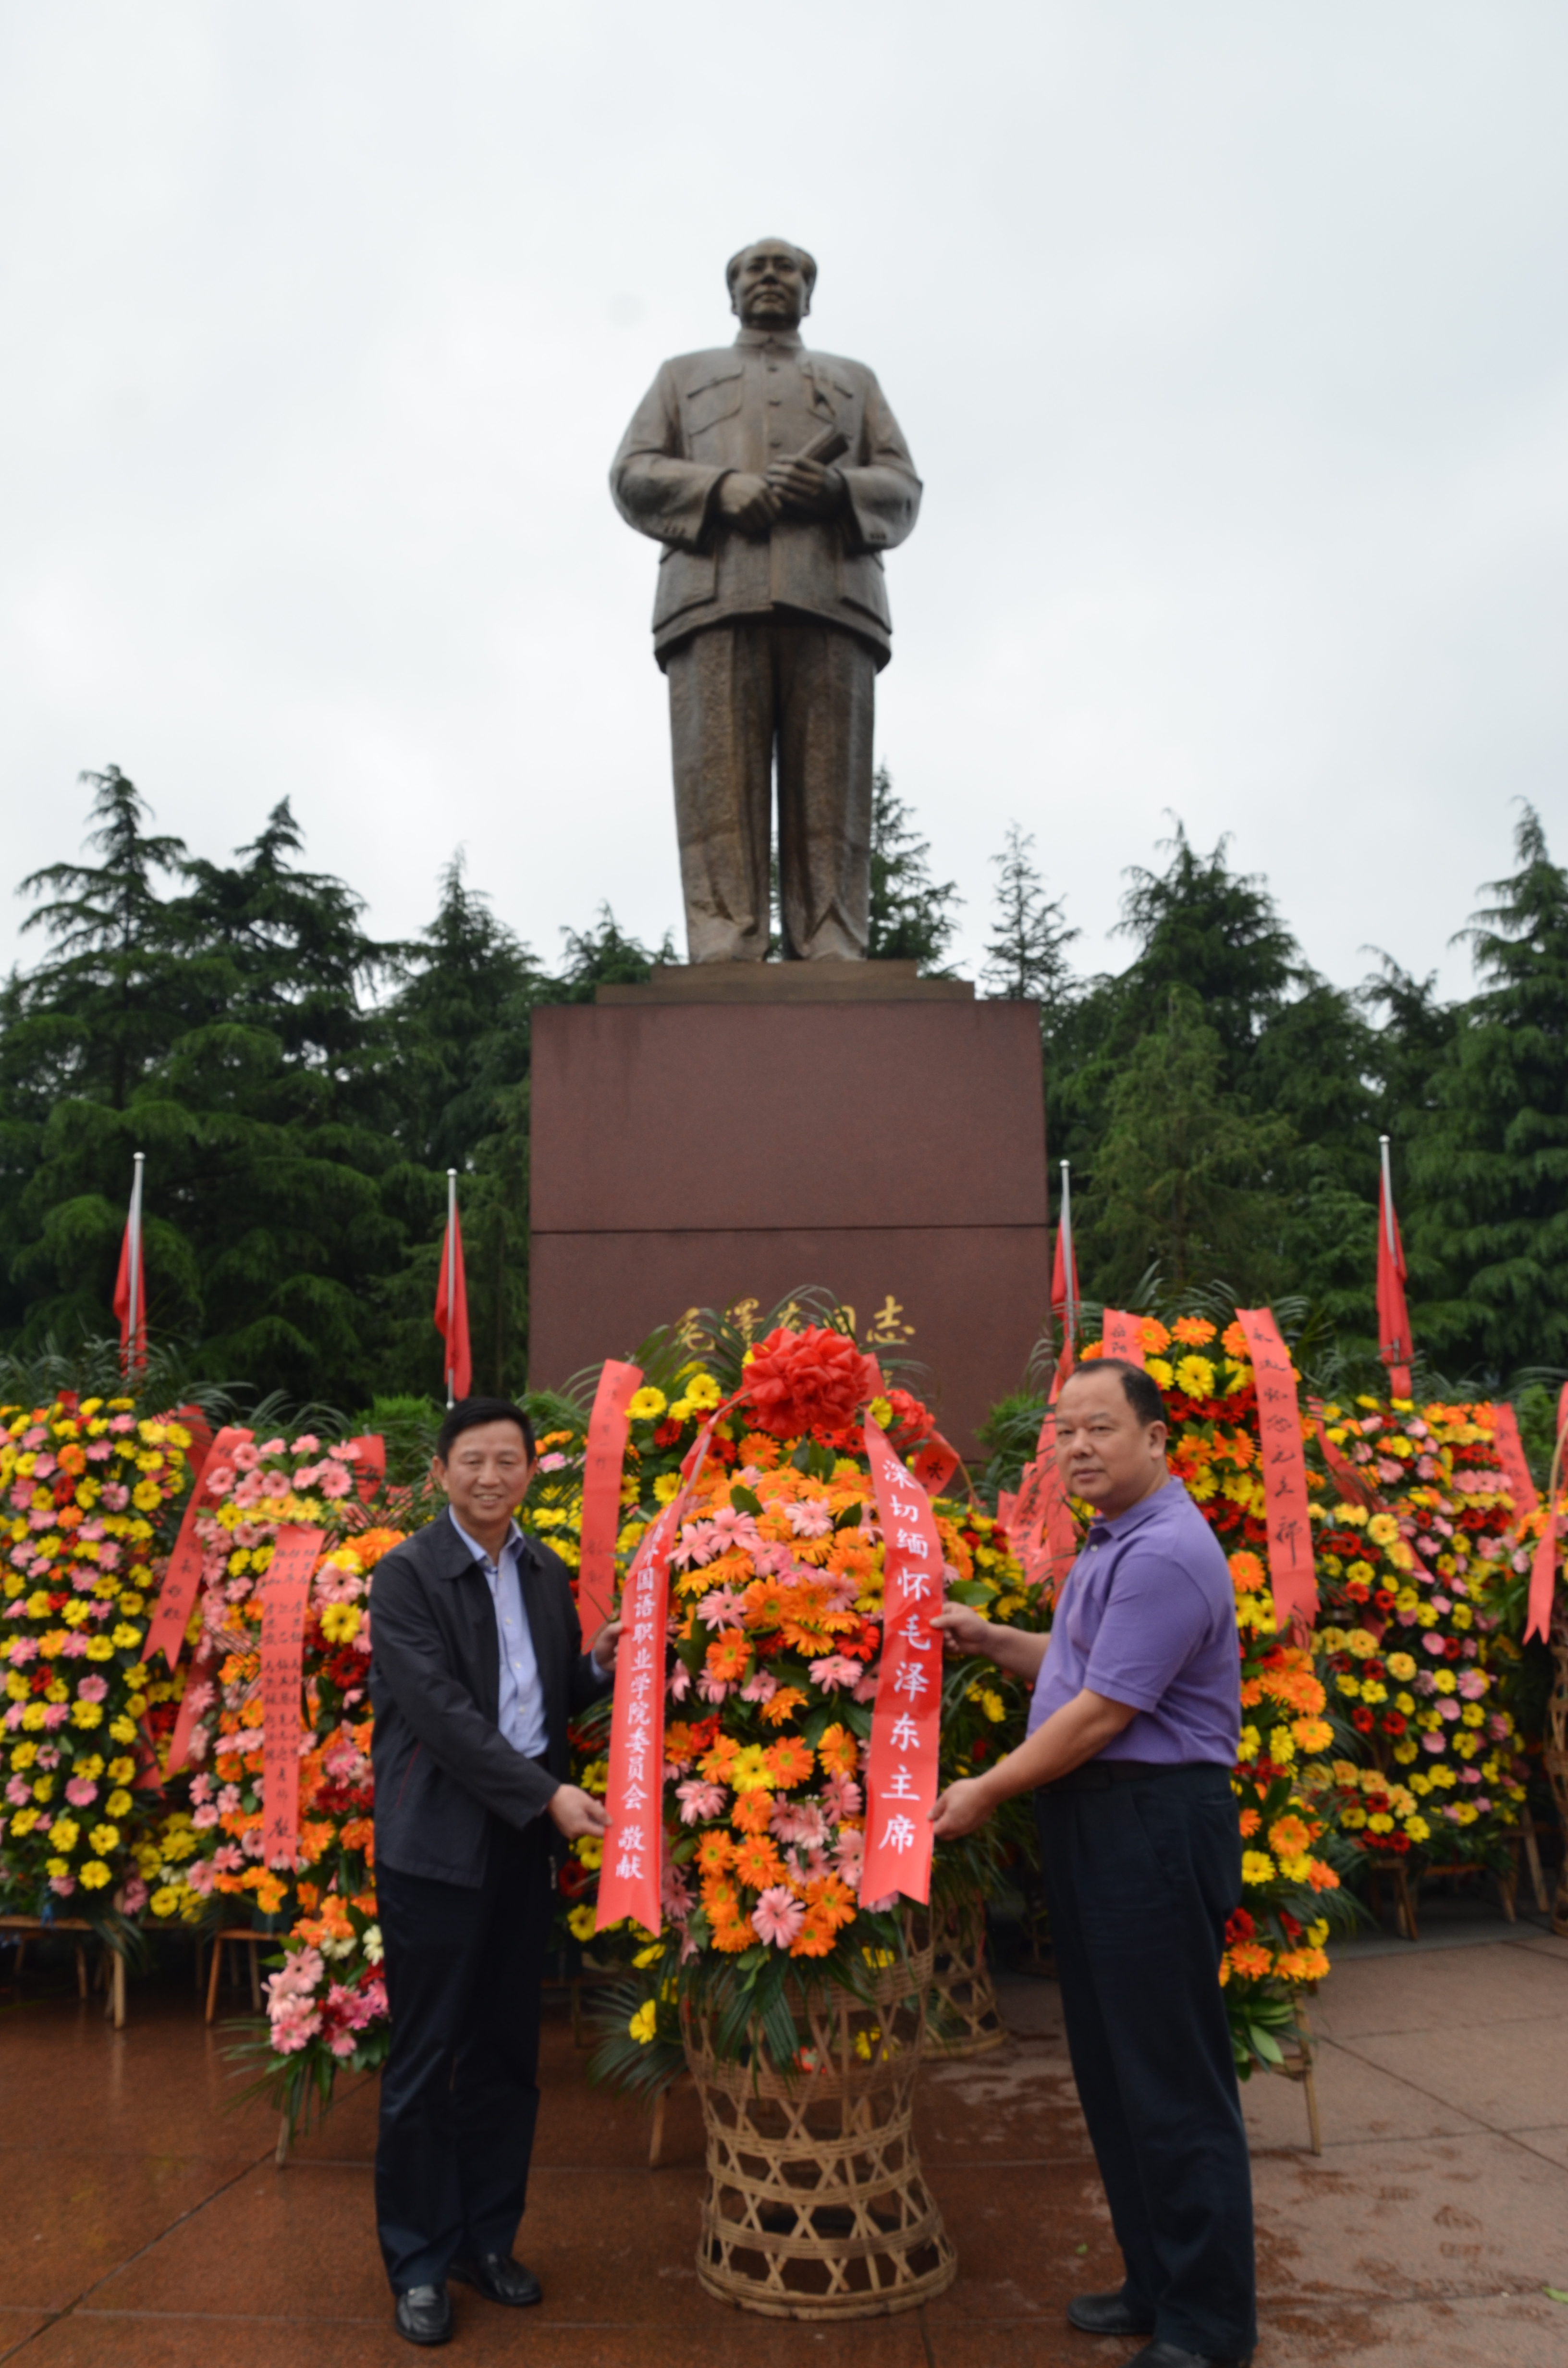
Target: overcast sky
point(1231, 342)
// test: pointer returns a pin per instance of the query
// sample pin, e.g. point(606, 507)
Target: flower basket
point(962, 2014)
point(816, 2207)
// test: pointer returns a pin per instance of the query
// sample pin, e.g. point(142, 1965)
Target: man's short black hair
point(468, 1413)
point(1143, 1390)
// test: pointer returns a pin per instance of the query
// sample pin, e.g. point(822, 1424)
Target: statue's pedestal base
point(888, 1142)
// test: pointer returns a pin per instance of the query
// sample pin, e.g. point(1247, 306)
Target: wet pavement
point(143, 2221)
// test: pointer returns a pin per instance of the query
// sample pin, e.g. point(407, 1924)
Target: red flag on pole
point(1393, 1322)
point(451, 1301)
point(1065, 1297)
point(131, 1283)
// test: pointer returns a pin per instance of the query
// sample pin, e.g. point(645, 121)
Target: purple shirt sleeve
point(1157, 1618)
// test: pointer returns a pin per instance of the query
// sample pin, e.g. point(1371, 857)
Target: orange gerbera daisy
point(717, 1763)
point(816, 1936)
point(720, 1900)
point(727, 1656)
point(757, 1862)
point(788, 1761)
point(1250, 1957)
point(838, 1751)
point(786, 1701)
point(831, 1897)
point(1233, 1340)
point(731, 1938)
point(1193, 1331)
point(714, 1852)
point(768, 1602)
point(753, 1812)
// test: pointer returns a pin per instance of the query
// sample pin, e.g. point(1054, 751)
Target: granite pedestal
point(740, 1131)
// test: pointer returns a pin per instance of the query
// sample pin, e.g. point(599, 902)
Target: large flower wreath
point(1414, 1556)
point(775, 1637)
point(89, 1488)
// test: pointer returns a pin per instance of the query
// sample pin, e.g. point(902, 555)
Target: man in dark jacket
point(476, 1665)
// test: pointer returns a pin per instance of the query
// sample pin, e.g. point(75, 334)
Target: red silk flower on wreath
point(801, 1382)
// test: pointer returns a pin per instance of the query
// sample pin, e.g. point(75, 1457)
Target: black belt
point(1099, 1775)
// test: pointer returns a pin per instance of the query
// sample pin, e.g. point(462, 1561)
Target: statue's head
point(771, 283)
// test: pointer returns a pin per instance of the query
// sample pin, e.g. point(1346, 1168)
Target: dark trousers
point(738, 693)
point(1139, 1878)
point(460, 2094)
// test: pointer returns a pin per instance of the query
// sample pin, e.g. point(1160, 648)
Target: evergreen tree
point(1027, 958)
point(1185, 1179)
point(1489, 1162)
point(912, 916)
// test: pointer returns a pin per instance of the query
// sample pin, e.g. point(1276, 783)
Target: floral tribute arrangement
point(776, 1630)
point(327, 2005)
point(88, 1488)
point(1414, 1555)
point(1275, 1940)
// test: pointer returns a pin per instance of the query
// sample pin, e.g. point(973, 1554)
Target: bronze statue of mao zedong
point(774, 478)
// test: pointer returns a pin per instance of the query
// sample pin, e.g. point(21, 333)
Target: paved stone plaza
point(147, 2225)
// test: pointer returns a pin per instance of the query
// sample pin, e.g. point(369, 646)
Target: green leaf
point(743, 1498)
point(1554, 2294)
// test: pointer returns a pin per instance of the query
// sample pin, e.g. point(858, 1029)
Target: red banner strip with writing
point(602, 1468)
point(203, 1667)
point(906, 1722)
point(166, 1633)
point(1543, 1569)
point(934, 1464)
point(1122, 1335)
point(1291, 1574)
point(1511, 1456)
point(285, 1596)
point(632, 1875)
point(369, 1465)
point(1353, 1484)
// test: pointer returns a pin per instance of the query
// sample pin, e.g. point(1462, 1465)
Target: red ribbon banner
point(204, 1663)
point(901, 1775)
point(1543, 1569)
point(1122, 1336)
point(934, 1464)
point(285, 1595)
point(631, 1877)
point(1353, 1484)
point(166, 1632)
point(1291, 1574)
point(1511, 1456)
point(602, 1468)
point(1040, 1529)
point(369, 1455)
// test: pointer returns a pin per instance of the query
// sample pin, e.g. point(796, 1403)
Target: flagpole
point(1066, 1228)
point(133, 1234)
point(451, 1271)
point(1388, 1195)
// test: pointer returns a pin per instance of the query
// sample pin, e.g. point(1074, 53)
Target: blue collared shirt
point(1147, 1616)
point(521, 1711)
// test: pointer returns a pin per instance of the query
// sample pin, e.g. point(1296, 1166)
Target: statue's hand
point(747, 502)
point(806, 488)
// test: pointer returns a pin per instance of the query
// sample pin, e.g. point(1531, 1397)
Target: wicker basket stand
point(962, 2016)
point(816, 2208)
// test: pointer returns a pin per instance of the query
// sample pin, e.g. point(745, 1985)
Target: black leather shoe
point(425, 2315)
point(500, 2279)
point(1109, 2314)
point(1171, 2355)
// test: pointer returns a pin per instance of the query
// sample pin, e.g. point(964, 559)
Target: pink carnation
point(245, 1458)
point(337, 1482)
point(699, 1800)
point(81, 1792)
point(91, 1689)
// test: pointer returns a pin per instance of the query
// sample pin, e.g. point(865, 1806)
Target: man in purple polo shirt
point(1133, 1735)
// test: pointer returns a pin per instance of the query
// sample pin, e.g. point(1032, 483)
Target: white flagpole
point(1388, 1196)
point(1067, 1253)
point(451, 1270)
point(133, 1234)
